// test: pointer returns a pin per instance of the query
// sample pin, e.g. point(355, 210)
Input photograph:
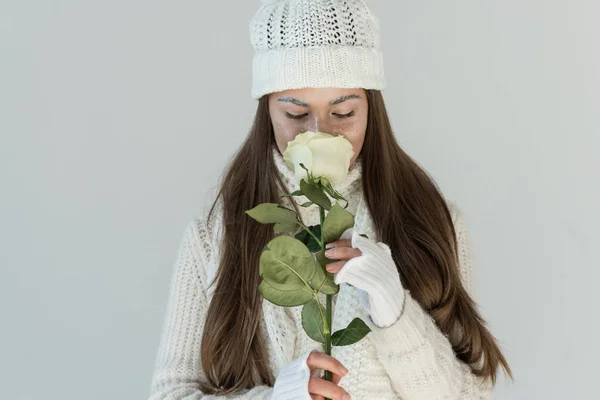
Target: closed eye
point(351, 113)
point(294, 116)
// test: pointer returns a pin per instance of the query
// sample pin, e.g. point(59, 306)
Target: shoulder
point(191, 254)
point(455, 212)
point(201, 240)
point(464, 248)
point(459, 220)
point(203, 230)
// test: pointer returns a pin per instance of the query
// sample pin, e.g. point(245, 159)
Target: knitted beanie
point(315, 43)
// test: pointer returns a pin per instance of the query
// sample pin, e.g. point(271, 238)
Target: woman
point(318, 66)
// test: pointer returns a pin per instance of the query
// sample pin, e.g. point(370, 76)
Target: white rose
point(324, 155)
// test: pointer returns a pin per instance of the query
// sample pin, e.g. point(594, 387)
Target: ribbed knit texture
point(292, 381)
point(315, 43)
point(411, 359)
point(376, 273)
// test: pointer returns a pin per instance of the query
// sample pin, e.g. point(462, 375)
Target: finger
point(342, 253)
point(339, 243)
point(318, 359)
point(335, 266)
point(334, 377)
point(325, 388)
point(316, 397)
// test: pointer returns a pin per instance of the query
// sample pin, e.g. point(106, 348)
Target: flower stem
point(328, 376)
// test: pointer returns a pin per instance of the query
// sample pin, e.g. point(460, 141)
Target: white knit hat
point(315, 43)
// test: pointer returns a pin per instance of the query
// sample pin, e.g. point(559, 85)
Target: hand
point(300, 379)
point(369, 266)
point(319, 388)
point(341, 250)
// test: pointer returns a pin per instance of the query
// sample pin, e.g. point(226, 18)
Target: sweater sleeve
point(178, 370)
point(418, 357)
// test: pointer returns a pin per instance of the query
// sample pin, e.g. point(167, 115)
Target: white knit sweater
point(412, 359)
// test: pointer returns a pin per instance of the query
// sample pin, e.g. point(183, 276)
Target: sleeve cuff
point(292, 381)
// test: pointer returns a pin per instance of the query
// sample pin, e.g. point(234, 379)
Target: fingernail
point(329, 245)
point(346, 396)
point(343, 370)
point(330, 268)
point(328, 253)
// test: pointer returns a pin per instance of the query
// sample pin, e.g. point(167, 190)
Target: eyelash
point(341, 116)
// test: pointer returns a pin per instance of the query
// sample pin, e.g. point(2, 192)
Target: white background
point(117, 118)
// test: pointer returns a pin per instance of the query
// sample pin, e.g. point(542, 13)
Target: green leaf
point(323, 281)
point(332, 192)
point(287, 265)
point(285, 220)
point(322, 260)
point(308, 239)
point(294, 193)
point(336, 222)
point(301, 236)
point(280, 228)
point(307, 204)
point(312, 243)
point(285, 298)
point(315, 194)
point(355, 331)
point(312, 321)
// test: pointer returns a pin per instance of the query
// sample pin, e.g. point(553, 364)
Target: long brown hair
point(409, 214)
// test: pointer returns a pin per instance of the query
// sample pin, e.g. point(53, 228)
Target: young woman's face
point(330, 110)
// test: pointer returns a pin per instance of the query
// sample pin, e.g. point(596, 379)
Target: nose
point(323, 124)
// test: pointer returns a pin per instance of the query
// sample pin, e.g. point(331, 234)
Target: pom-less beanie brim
point(316, 67)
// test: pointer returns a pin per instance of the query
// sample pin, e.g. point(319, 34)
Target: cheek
point(287, 129)
point(353, 131)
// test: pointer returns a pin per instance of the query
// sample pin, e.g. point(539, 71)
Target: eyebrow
point(344, 98)
point(294, 101)
point(302, 103)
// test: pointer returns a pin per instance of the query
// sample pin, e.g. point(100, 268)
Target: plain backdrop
point(117, 118)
